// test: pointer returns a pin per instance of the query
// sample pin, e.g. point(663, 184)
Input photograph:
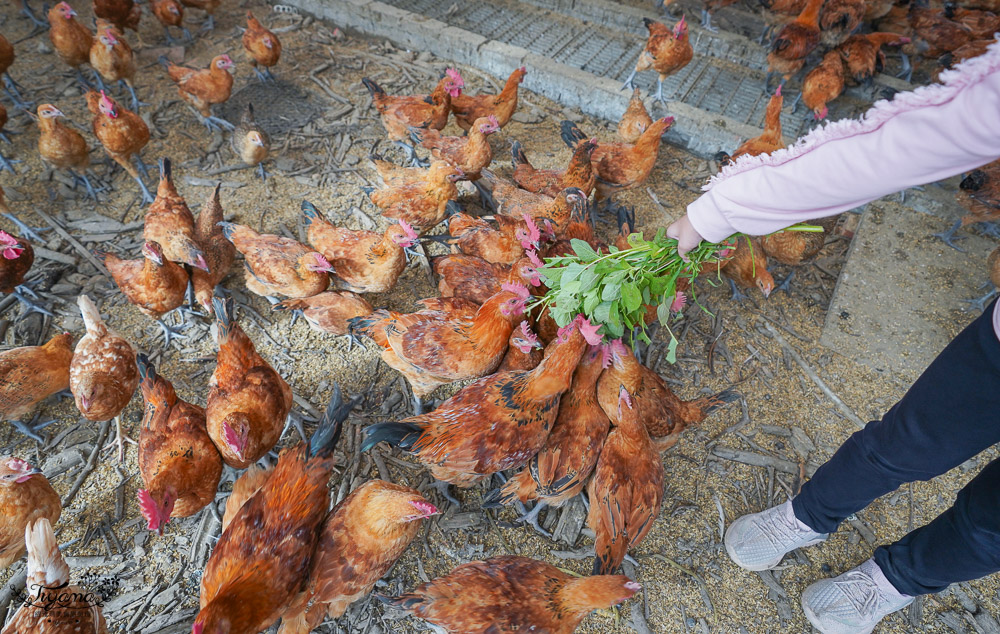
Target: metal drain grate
point(278, 107)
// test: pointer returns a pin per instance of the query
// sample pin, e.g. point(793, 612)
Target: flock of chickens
point(570, 410)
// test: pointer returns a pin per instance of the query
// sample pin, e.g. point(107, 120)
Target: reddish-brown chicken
point(123, 14)
point(524, 350)
point(504, 245)
point(179, 464)
point(153, 284)
point(838, 19)
point(16, 258)
point(62, 147)
point(516, 202)
point(278, 266)
point(262, 46)
point(796, 247)
point(981, 24)
point(621, 166)
point(111, 57)
point(468, 108)
point(248, 401)
point(476, 280)
point(667, 51)
point(363, 261)
point(770, 139)
point(823, 84)
point(794, 42)
point(497, 423)
point(660, 410)
point(399, 114)
point(68, 609)
point(170, 13)
point(204, 88)
point(436, 347)
point(330, 311)
point(512, 594)
point(70, 39)
point(219, 252)
point(31, 374)
point(634, 120)
point(627, 488)
point(102, 375)
point(170, 223)
point(122, 133)
point(863, 55)
point(363, 537)
point(470, 153)
point(745, 267)
point(421, 203)
point(25, 496)
point(561, 468)
point(579, 173)
point(262, 560)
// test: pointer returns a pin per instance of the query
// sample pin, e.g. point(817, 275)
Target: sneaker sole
point(766, 565)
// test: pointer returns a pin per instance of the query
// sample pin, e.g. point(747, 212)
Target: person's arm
point(923, 136)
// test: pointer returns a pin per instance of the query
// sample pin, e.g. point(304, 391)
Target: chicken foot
point(737, 295)
point(11, 87)
point(41, 24)
point(208, 24)
point(29, 232)
point(628, 82)
point(784, 284)
point(135, 100)
point(170, 39)
point(8, 164)
point(215, 123)
point(264, 75)
point(949, 237)
point(21, 292)
point(486, 197)
point(706, 21)
point(121, 439)
point(82, 178)
point(659, 91)
point(980, 303)
point(531, 517)
point(444, 489)
point(147, 198)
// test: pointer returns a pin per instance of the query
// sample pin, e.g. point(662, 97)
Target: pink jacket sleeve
point(919, 137)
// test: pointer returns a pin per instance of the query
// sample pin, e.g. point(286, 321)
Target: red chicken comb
point(610, 350)
point(17, 464)
point(680, 300)
point(493, 120)
point(6, 239)
point(534, 235)
point(588, 330)
point(518, 289)
point(197, 628)
point(426, 508)
point(633, 586)
point(233, 439)
point(408, 230)
point(777, 92)
point(455, 77)
point(107, 102)
point(9, 246)
point(680, 27)
point(530, 337)
point(533, 257)
point(149, 510)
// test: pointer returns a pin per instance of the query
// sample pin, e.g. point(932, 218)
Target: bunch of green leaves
point(613, 289)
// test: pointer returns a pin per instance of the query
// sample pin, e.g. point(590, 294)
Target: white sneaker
point(852, 603)
point(760, 540)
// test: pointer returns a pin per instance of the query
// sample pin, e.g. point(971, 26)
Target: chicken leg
point(40, 23)
point(131, 91)
point(980, 303)
point(11, 87)
point(445, 490)
point(628, 82)
point(29, 232)
point(531, 517)
point(659, 91)
point(706, 21)
point(120, 439)
point(147, 198)
point(948, 237)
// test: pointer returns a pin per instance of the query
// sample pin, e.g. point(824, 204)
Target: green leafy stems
point(614, 289)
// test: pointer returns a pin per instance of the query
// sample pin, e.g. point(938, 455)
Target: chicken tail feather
point(402, 435)
point(375, 90)
point(571, 134)
point(325, 438)
point(501, 496)
point(224, 311)
point(166, 170)
point(517, 155)
point(712, 403)
point(403, 601)
point(147, 371)
point(46, 566)
point(91, 317)
point(310, 212)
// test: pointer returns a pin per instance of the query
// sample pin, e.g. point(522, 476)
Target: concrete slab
point(899, 298)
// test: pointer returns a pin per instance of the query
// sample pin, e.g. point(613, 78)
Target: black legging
point(949, 415)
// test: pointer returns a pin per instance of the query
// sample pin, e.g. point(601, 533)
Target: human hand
point(687, 237)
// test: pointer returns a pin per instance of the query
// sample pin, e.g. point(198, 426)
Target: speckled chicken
point(103, 375)
point(170, 223)
point(422, 203)
point(329, 312)
point(219, 252)
point(579, 173)
point(274, 265)
point(47, 569)
point(667, 51)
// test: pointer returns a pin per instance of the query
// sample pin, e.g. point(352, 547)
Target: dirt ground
point(322, 132)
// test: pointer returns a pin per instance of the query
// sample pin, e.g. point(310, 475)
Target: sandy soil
point(689, 583)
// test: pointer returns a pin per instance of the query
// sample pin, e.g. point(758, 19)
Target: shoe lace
point(778, 529)
point(862, 591)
